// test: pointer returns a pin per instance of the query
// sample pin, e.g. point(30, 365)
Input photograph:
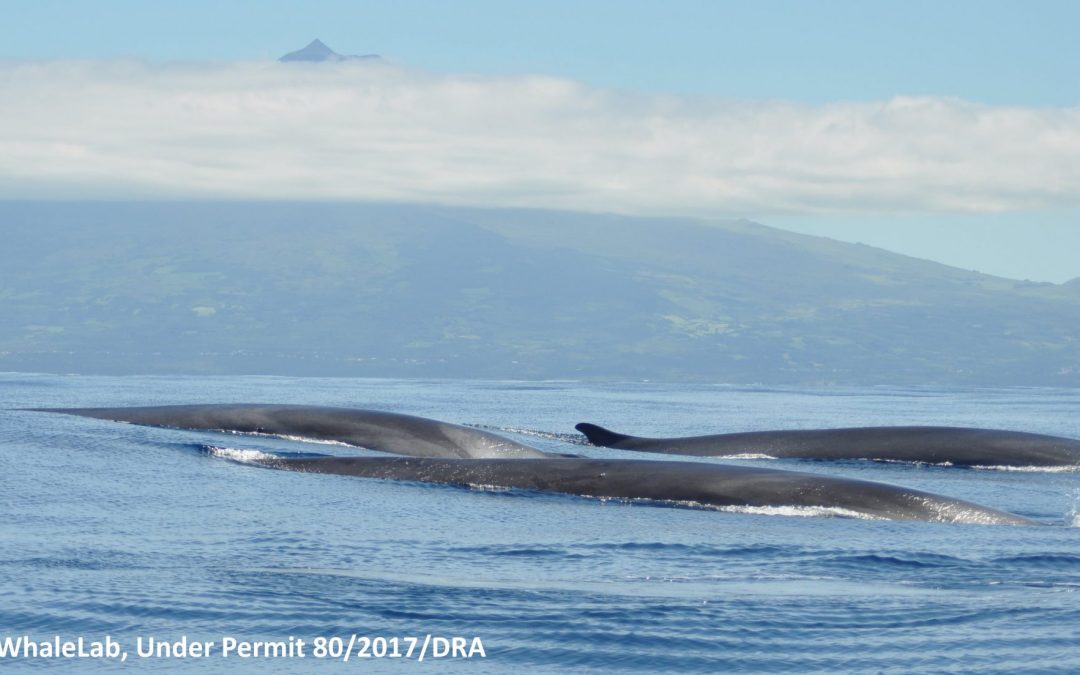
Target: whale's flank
point(694, 483)
point(959, 446)
point(372, 429)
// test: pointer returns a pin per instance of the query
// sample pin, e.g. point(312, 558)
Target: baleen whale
point(372, 429)
point(685, 482)
point(959, 446)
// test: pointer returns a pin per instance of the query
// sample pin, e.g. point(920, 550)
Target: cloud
point(360, 131)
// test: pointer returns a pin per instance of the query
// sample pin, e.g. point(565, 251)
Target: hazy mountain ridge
point(316, 51)
point(435, 291)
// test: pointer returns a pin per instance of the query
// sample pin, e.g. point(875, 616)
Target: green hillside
point(405, 290)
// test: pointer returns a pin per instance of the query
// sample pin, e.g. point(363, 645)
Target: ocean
point(139, 538)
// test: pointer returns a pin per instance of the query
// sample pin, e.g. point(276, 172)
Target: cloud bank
point(360, 131)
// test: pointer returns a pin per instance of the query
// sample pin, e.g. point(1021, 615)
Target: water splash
point(288, 437)
point(800, 512)
point(1031, 469)
point(1072, 513)
point(240, 454)
point(1071, 468)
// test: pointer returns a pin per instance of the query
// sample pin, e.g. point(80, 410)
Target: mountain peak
point(317, 51)
point(317, 46)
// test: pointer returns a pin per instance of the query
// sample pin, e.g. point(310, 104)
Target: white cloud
point(367, 131)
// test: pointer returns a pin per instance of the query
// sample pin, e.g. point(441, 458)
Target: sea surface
point(132, 532)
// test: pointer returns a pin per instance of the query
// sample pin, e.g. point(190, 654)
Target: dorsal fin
point(598, 435)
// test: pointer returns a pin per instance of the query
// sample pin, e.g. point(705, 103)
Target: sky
point(945, 130)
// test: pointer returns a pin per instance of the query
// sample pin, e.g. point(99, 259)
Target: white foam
point(1072, 468)
point(1072, 515)
point(484, 487)
point(799, 511)
point(746, 455)
point(912, 462)
point(791, 511)
point(287, 437)
point(1031, 469)
point(240, 454)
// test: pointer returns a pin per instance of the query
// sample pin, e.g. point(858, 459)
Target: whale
point(371, 429)
point(681, 482)
point(959, 446)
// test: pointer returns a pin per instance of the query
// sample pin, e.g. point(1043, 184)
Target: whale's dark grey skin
point(935, 445)
point(371, 429)
point(687, 482)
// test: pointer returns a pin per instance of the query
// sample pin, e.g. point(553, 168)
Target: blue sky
point(987, 50)
point(984, 60)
